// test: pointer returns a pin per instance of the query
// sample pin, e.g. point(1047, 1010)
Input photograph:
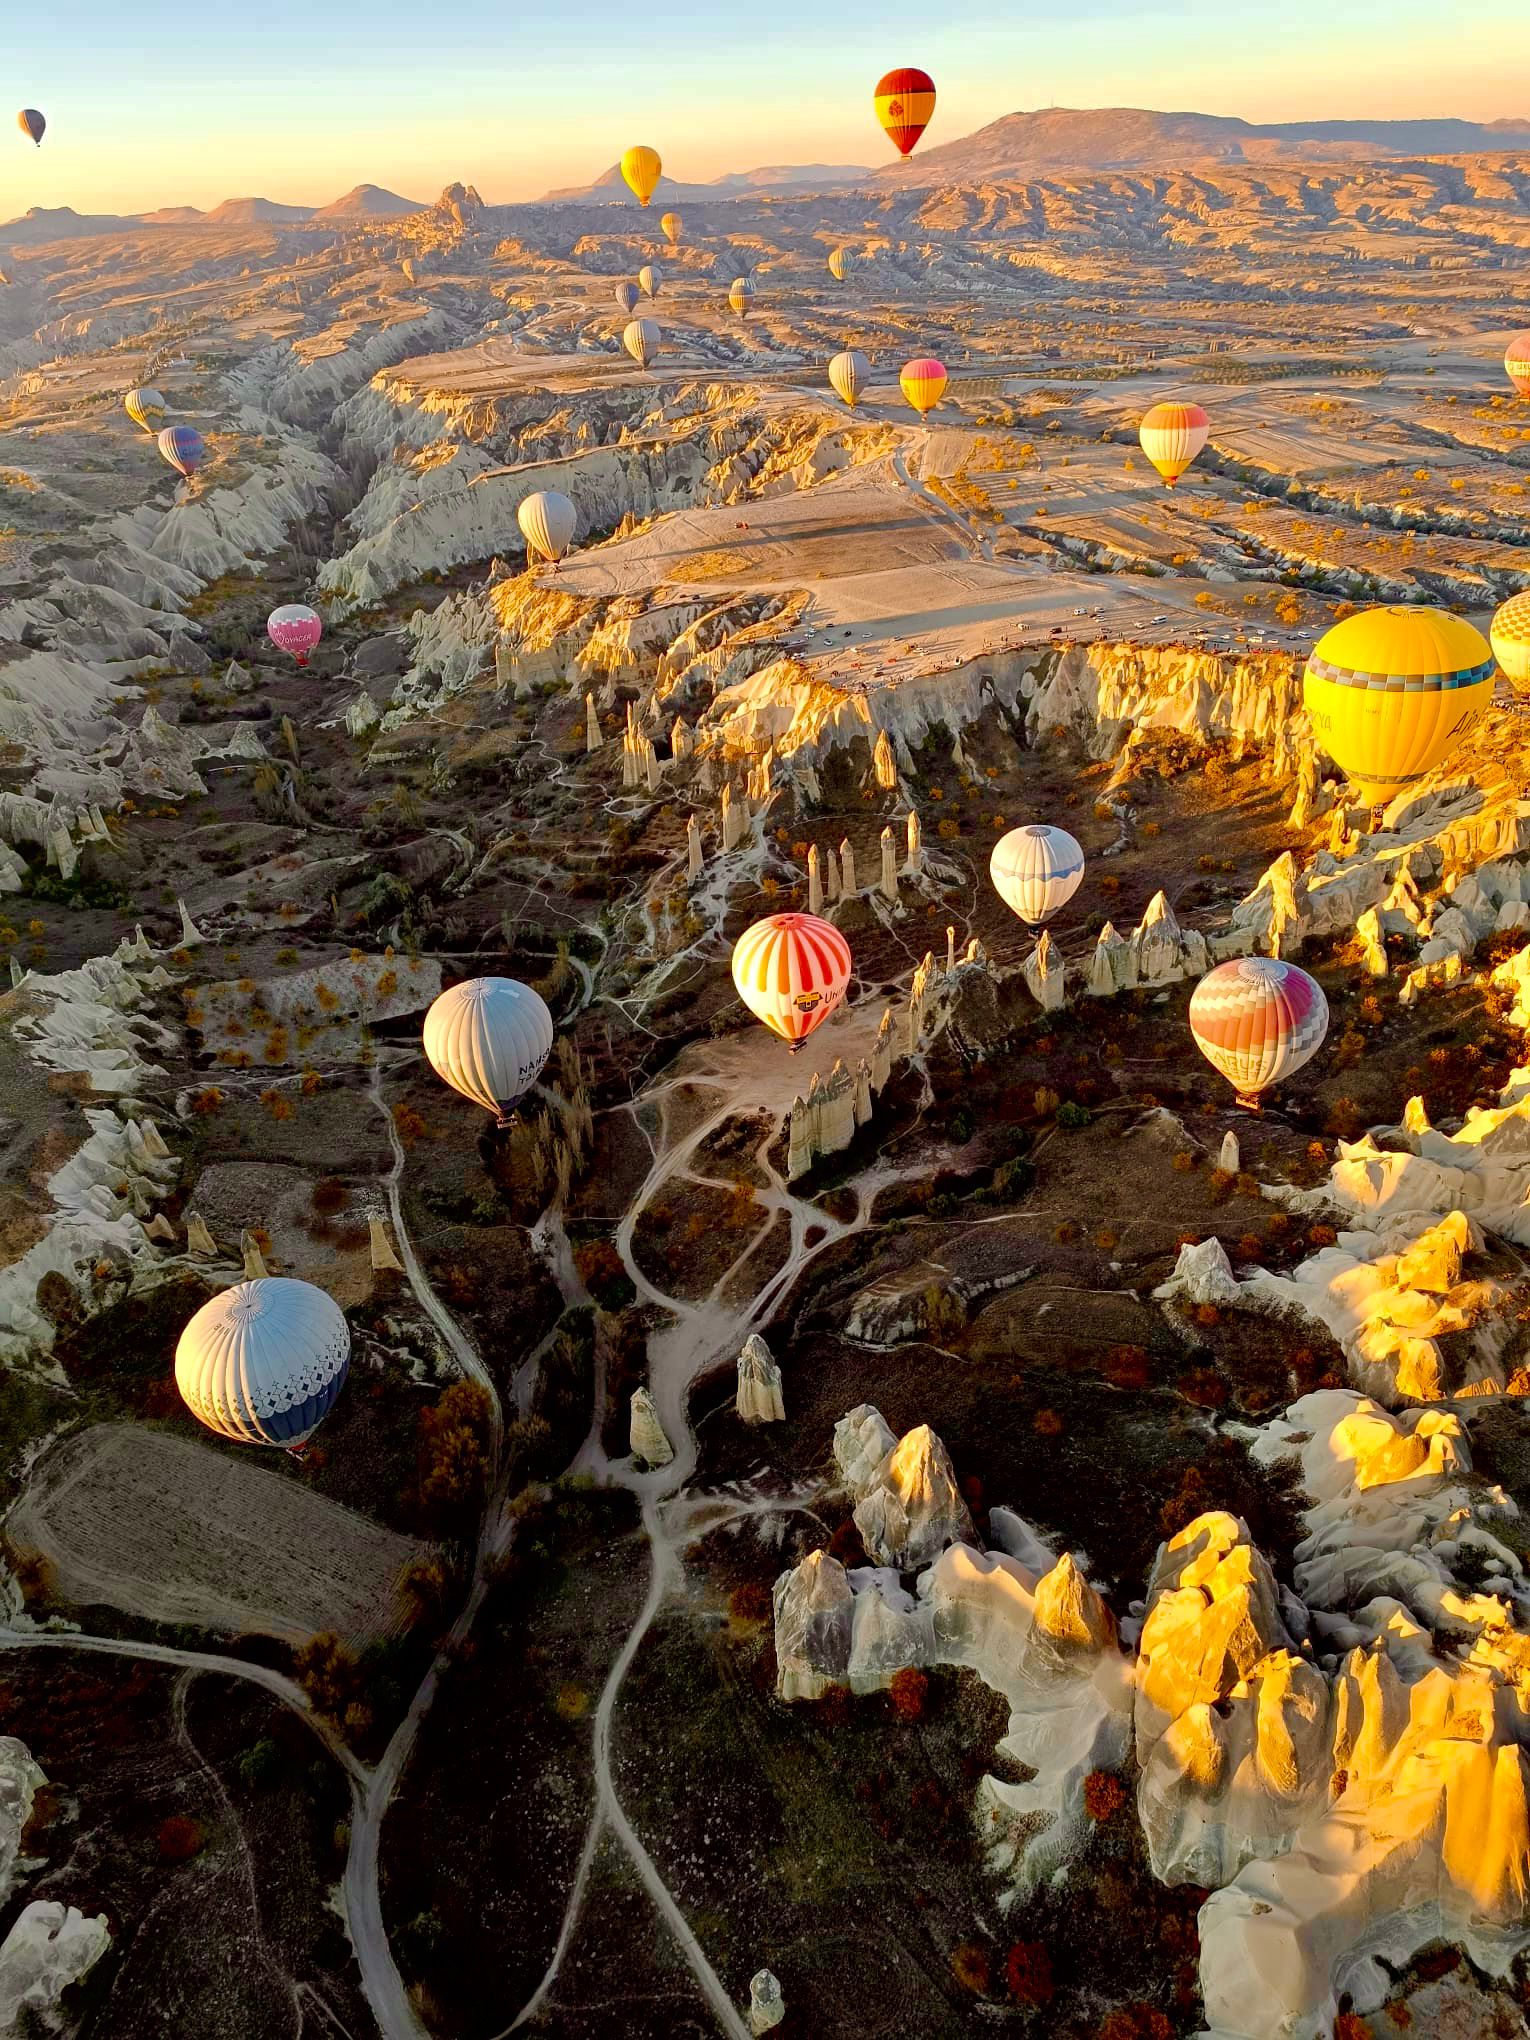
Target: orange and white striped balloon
point(924, 383)
point(1516, 363)
point(791, 971)
point(1510, 637)
point(1172, 435)
point(1258, 1020)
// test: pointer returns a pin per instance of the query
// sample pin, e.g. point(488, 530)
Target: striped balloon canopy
point(1516, 363)
point(1172, 435)
point(1392, 690)
point(848, 375)
point(146, 407)
point(650, 276)
point(548, 521)
point(184, 447)
point(839, 264)
point(1258, 1020)
point(741, 295)
point(642, 169)
point(791, 971)
point(905, 104)
point(1036, 870)
point(924, 383)
point(489, 1038)
point(295, 628)
point(1510, 635)
point(641, 340)
point(263, 1363)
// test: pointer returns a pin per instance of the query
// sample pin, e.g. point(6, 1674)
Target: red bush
point(1104, 1795)
point(1028, 1973)
point(910, 1693)
point(179, 1839)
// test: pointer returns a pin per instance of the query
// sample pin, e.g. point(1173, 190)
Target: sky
point(188, 102)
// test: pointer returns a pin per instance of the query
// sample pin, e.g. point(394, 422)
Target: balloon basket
point(1249, 1104)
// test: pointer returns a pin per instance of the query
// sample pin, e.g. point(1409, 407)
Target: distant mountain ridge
point(62, 222)
point(1061, 138)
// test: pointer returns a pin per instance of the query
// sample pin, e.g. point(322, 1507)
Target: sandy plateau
point(965, 1520)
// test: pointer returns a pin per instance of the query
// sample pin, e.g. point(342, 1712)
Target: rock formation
point(759, 1384)
point(648, 1443)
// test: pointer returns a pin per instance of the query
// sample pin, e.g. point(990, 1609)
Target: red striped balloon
point(1258, 1020)
point(791, 971)
point(1516, 363)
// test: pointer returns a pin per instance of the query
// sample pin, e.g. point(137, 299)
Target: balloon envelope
point(183, 446)
point(146, 407)
point(627, 296)
point(295, 628)
point(1516, 362)
point(1510, 635)
point(741, 295)
point(1172, 435)
point(642, 169)
point(641, 340)
point(650, 276)
point(489, 1038)
point(263, 1362)
point(791, 971)
point(669, 226)
point(548, 521)
point(1257, 1020)
point(1036, 870)
point(924, 383)
point(848, 375)
point(1392, 690)
point(839, 263)
point(32, 124)
point(904, 102)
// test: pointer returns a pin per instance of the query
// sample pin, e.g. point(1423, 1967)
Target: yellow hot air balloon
point(839, 263)
point(1172, 435)
point(1392, 690)
point(1511, 641)
point(642, 169)
point(146, 407)
point(669, 226)
point(924, 383)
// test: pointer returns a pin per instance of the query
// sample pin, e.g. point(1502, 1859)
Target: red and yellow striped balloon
point(1258, 1020)
point(1516, 363)
point(924, 383)
point(791, 971)
point(905, 104)
point(1510, 635)
point(1172, 435)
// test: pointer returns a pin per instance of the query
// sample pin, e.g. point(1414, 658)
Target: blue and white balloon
point(1036, 870)
point(263, 1362)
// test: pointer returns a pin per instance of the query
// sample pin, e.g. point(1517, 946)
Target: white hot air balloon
point(489, 1039)
point(548, 521)
point(650, 276)
point(848, 375)
point(262, 1363)
point(641, 340)
point(1036, 870)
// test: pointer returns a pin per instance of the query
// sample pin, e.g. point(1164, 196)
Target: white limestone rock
point(758, 1400)
point(646, 1433)
point(813, 1607)
point(50, 1947)
point(767, 2005)
point(20, 1779)
point(862, 1441)
point(915, 1509)
point(1202, 1274)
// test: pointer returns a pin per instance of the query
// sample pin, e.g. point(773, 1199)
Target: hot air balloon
point(1036, 870)
point(1257, 1020)
point(650, 276)
point(839, 264)
point(32, 124)
point(1516, 362)
point(184, 447)
point(669, 226)
point(627, 297)
point(791, 971)
point(905, 102)
point(262, 1363)
point(641, 340)
point(295, 628)
point(924, 383)
point(1172, 435)
point(489, 1038)
point(145, 407)
point(642, 169)
point(548, 521)
point(1510, 634)
point(741, 295)
point(1391, 691)
point(848, 373)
